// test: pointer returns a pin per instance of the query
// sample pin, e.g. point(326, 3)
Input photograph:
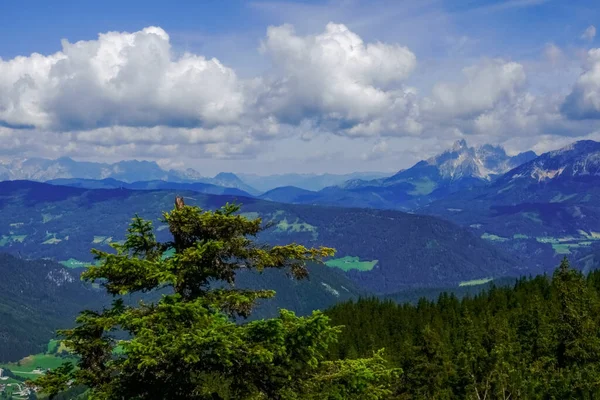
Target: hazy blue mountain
point(110, 183)
point(289, 194)
point(457, 166)
point(577, 161)
point(455, 169)
point(404, 250)
point(313, 182)
point(231, 180)
point(542, 209)
point(40, 169)
point(43, 170)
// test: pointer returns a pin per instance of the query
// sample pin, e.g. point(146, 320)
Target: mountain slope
point(543, 209)
point(405, 250)
point(312, 182)
point(110, 183)
point(462, 162)
point(289, 194)
point(456, 169)
point(36, 298)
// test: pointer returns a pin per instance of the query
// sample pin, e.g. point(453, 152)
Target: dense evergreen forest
point(539, 339)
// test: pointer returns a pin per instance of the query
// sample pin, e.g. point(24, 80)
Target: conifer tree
point(576, 334)
point(186, 345)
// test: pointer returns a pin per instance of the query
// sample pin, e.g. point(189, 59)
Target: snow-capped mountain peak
point(483, 162)
point(579, 159)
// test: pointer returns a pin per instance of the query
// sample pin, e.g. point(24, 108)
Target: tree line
point(538, 339)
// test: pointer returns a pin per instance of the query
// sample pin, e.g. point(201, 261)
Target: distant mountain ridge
point(42, 170)
point(43, 220)
point(458, 168)
point(543, 209)
point(577, 160)
point(110, 183)
point(457, 163)
point(313, 182)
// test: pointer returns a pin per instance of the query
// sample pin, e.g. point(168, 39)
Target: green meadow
point(348, 263)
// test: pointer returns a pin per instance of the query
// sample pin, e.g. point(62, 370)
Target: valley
point(466, 231)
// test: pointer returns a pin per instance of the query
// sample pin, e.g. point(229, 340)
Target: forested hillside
point(539, 339)
point(36, 298)
point(400, 250)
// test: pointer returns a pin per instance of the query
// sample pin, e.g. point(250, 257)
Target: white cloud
point(128, 95)
point(589, 33)
point(335, 77)
point(120, 79)
point(583, 102)
point(377, 151)
point(485, 85)
point(553, 53)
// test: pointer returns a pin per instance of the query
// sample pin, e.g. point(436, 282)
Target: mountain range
point(41, 169)
point(479, 214)
point(453, 170)
point(543, 209)
point(535, 208)
point(313, 182)
point(407, 189)
point(384, 250)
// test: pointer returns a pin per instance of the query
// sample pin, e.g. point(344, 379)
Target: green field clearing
point(564, 245)
point(535, 217)
point(6, 239)
point(422, 187)
point(492, 237)
point(591, 235)
point(53, 346)
point(560, 248)
point(560, 197)
point(30, 366)
point(565, 248)
point(168, 253)
point(347, 263)
point(73, 263)
point(296, 226)
point(102, 239)
point(49, 217)
point(250, 215)
point(476, 282)
point(506, 188)
point(274, 215)
point(52, 240)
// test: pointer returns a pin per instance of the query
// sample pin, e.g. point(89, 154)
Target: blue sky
point(270, 87)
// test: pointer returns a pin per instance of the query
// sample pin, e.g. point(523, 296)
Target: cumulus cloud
point(485, 85)
point(553, 53)
point(583, 102)
point(589, 33)
point(331, 81)
point(377, 151)
point(335, 77)
point(120, 79)
point(129, 95)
